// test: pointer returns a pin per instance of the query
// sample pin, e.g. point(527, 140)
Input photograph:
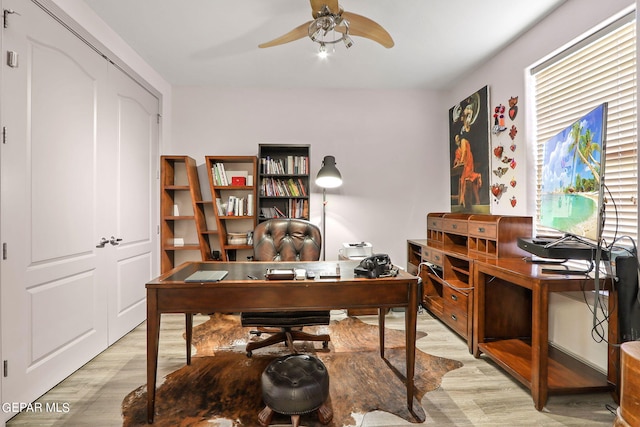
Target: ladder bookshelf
point(233, 193)
point(183, 227)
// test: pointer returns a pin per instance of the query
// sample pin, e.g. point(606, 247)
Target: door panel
point(61, 142)
point(47, 301)
point(137, 188)
point(53, 314)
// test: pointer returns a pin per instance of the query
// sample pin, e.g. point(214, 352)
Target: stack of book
point(295, 209)
point(272, 187)
point(235, 206)
point(219, 175)
point(291, 165)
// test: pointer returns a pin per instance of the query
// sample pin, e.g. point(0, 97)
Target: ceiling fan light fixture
point(347, 41)
point(331, 25)
point(322, 52)
point(315, 35)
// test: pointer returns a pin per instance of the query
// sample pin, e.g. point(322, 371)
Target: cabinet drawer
point(455, 311)
point(456, 301)
point(487, 230)
point(456, 226)
point(434, 256)
point(456, 322)
point(434, 223)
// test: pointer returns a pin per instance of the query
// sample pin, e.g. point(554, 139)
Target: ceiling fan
point(331, 24)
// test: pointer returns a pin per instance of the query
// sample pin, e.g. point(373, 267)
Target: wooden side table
point(511, 327)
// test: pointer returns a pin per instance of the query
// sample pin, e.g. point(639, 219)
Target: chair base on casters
point(287, 336)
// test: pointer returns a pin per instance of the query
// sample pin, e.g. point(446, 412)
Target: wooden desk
point(511, 326)
point(237, 293)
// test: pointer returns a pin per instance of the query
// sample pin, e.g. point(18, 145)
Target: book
point(250, 204)
point(219, 207)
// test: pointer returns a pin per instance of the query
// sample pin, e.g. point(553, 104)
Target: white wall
point(389, 147)
point(505, 74)
point(94, 29)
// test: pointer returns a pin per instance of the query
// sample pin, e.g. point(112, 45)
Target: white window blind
point(601, 68)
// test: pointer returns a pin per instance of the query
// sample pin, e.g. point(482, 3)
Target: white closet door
point(53, 311)
point(133, 176)
point(78, 166)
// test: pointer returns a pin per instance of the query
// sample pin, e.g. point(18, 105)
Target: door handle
point(102, 242)
point(115, 241)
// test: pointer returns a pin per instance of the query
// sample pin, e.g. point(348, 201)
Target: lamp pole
point(328, 177)
point(324, 218)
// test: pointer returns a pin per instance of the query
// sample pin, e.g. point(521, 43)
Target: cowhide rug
point(221, 387)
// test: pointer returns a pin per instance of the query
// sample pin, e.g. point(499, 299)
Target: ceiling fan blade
point(293, 35)
point(317, 5)
point(364, 27)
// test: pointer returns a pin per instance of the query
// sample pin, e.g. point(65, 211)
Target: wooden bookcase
point(183, 226)
point(446, 259)
point(234, 203)
point(283, 181)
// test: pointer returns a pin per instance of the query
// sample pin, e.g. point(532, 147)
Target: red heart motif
point(513, 147)
point(496, 190)
point(513, 164)
point(513, 132)
point(498, 151)
point(513, 182)
point(514, 201)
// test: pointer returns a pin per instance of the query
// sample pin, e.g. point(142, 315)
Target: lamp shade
point(329, 175)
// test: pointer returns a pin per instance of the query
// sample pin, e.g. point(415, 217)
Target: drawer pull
point(453, 316)
point(454, 297)
point(454, 226)
point(437, 257)
point(481, 229)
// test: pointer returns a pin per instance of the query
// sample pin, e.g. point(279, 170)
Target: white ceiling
point(215, 42)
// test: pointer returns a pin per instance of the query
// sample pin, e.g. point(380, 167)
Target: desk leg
point(540, 346)
point(411, 317)
point(381, 320)
point(153, 336)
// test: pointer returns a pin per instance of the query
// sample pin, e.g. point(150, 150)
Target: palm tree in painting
point(589, 147)
point(583, 147)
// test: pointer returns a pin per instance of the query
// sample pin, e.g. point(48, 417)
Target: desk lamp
point(328, 177)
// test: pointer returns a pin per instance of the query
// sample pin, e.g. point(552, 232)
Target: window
point(600, 68)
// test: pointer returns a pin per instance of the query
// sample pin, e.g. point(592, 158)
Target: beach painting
point(571, 174)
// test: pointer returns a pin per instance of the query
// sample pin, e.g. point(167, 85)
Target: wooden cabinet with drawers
point(496, 236)
point(445, 261)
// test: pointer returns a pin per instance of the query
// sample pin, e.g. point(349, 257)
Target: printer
point(356, 251)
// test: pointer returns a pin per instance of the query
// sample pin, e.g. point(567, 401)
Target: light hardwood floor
point(478, 394)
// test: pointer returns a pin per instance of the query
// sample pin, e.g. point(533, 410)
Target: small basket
point(237, 238)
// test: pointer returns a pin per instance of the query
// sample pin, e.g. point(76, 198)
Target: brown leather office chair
point(286, 239)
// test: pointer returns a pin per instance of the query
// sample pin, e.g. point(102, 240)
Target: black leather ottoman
point(294, 385)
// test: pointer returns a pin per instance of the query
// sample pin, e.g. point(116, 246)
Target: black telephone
point(378, 265)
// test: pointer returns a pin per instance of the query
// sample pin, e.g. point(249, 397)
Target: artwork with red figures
point(505, 160)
